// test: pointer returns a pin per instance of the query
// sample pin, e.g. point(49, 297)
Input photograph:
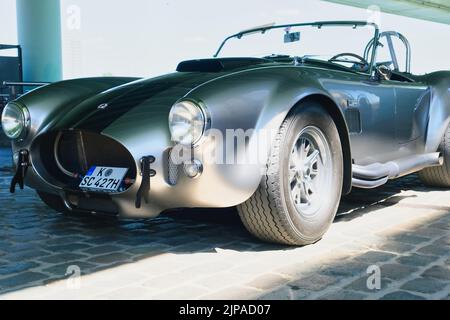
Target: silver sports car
point(281, 122)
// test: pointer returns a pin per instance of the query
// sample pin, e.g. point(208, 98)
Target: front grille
point(64, 157)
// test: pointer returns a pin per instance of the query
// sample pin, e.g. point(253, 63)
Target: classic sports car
point(283, 121)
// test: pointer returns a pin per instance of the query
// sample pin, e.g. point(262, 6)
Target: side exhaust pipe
point(377, 174)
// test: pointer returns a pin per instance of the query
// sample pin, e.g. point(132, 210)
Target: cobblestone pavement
point(403, 229)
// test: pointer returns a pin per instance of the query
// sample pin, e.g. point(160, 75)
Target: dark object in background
point(10, 70)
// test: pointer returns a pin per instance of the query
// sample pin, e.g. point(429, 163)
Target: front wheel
point(298, 196)
point(53, 201)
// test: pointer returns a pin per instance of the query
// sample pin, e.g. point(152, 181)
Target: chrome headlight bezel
point(23, 119)
point(196, 121)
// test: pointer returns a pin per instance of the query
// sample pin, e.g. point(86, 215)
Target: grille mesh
point(173, 170)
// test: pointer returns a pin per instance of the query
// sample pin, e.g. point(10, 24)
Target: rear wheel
point(439, 176)
point(299, 194)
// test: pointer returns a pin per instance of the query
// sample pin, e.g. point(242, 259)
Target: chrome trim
point(206, 119)
point(55, 154)
point(26, 121)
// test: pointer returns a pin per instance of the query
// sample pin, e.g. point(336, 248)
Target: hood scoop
point(218, 65)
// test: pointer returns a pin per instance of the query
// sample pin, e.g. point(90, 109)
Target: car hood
point(99, 112)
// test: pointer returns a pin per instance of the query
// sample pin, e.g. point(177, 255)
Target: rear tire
point(287, 208)
point(439, 176)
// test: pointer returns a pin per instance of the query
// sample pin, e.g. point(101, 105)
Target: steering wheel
point(362, 62)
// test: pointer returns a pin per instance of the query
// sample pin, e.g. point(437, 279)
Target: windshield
point(314, 41)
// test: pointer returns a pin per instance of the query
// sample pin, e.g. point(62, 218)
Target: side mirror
point(383, 72)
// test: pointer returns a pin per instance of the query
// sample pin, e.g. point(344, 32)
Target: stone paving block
point(374, 257)
point(166, 281)
point(345, 268)
point(65, 240)
point(441, 225)
point(220, 280)
point(361, 285)
point(443, 241)
point(108, 248)
point(401, 295)
point(415, 260)
point(395, 247)
point(208, 267)
point(62, 258)
point(67, 247)
point(434, 250)
point(397, 271)
point(408, 238)
point(13, 268)
point(189, 292)
point(424, 285)
point(138, 293)
point(283, 293)
point(110, 258)
point(27, 255)
point(267, 281)
point(438, 272)
point(343, 295)
point(426, 232)
point(60, 270)
point(315, 282)
point(21, 279)
point(232, 293)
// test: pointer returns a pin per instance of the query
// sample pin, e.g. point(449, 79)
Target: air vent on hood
point(218, 65)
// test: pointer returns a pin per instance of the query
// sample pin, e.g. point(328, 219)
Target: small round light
point(193, 169)
point(187, 122)
point(14, 120)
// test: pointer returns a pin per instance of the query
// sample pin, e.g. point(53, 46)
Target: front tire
point(299, 194)
point(53, 201)
point(439, 176)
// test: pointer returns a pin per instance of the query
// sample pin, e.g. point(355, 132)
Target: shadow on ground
point(37, 245)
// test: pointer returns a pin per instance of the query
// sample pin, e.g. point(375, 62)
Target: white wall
point(146, 38)
point(8, 29)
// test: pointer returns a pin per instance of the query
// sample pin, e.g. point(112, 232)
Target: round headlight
point(14, 120)
point(187, 122)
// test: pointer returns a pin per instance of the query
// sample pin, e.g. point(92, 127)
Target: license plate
point(106, 179)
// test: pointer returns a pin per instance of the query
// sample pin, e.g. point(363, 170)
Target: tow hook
point(23, 163)
point(147, 173)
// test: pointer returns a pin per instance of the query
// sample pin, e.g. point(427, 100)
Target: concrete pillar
point(39, 34)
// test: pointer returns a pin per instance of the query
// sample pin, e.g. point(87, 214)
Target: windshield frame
point(319, 25)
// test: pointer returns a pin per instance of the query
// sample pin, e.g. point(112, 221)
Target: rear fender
point(439, 112)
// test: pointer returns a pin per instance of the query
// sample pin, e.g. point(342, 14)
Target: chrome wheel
point(310, 170)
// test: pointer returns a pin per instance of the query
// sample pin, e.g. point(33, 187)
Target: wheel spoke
point(309, 187)
point(312, 158)
point(296, 192)
point(308, 156)
point(314, 173)
point(306, 193)
point(303, 152)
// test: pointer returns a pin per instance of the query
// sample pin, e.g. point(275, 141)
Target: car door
point(410, 96)
point(410, 99)
point(368, 107)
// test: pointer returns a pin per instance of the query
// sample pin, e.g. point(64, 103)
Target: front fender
point(46, 104)
point(255, 102)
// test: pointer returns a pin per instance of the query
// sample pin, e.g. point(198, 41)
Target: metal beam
point(39, 33)
point(431, 10)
